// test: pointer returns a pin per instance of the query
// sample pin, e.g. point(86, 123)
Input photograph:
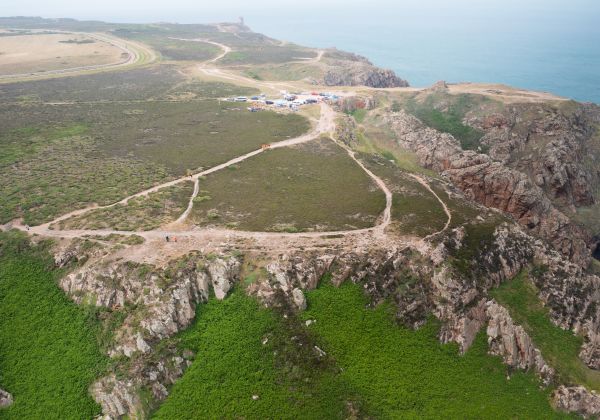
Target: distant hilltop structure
point(242, 20)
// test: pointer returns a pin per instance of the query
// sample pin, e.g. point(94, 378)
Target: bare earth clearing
point(69, 57)
point(42, 53)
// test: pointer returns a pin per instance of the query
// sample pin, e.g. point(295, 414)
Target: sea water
point(556, 50)
point(546, 45)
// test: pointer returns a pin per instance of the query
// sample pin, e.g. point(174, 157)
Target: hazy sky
point(189, 11)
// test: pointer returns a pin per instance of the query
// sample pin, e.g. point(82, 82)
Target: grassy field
point(168, 44)
point(59, 157)
point(375, 136)
point(263, 54)
point(162, 81)
point(140, 213)
point(136, 84)
point(399, 373)
point(415, 211)
point(284, 72)
point(40, 53)
point(232, 364)
point(49, 354)
point(180, 136)
point(310, 187)
point(204, 89)
point(48, 172)
point(560, 348)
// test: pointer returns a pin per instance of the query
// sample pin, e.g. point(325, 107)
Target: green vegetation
point(448, 120)
point(315, 186)
point(265, 53)
point(420, 214)
point(415, 211)
point(135, 84)
point(170, 46)
point(376, 137)
point(140, 213)
point(204, 89)
point(284, 72)
point(47, 172)
point(560, 348)
point(359, 115)
point(242, 350)
point(400, 373)
point(49, 354)
point(100, 153)
point(479, 237)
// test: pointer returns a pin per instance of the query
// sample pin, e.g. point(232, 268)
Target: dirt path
point(224, 48)
point(136, 54)
point(387, 212)
point(425, 184)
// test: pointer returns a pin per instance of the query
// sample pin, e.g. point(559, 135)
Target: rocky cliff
point(157, 303)
point(348, 69)
point(548, 142)
point(492, 184)
point(361, 74)
point(448, 277)
point(514, 345)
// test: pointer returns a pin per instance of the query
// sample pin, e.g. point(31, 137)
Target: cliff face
point(419, 280)
point(492, 184)
point(551, 143)
point(514, 345)
point(348, 69)
point(363, 75)
point(157, 303)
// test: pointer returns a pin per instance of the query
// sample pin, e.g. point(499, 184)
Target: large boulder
point(5, 399)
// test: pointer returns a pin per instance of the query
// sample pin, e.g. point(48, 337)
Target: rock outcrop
point(548, 142)
point(167, 298)
point(120, 396)
point(161, 302)
point(514, 345)
point(577, 400)
point(348, 69)
point(5, 399)
point(360, 73)
point(345, 131)
point(390, 273)
point(492, 184)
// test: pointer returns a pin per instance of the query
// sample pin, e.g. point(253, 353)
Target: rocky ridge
point(348, 69)
point(492, 184)
point(418, 281)
point(514, 345)
point(548, 142)
point(578, 400)
point(161, 302)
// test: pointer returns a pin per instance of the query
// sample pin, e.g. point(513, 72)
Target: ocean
point(546, 45)
point(557, 51)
